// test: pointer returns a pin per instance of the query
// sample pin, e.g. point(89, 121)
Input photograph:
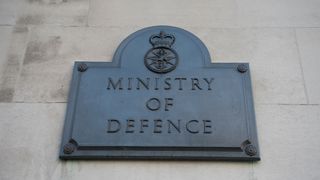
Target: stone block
point(30, 137)
point(207, 13)
point(8, 11)
point(309, 47)
point(289, 142)
point(274, 13)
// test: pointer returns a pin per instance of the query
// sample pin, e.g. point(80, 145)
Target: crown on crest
point(162, 40)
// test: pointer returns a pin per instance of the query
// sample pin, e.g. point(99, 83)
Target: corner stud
point(250, 150)
point(69, 148)
point(242, 68)
point(82, 67)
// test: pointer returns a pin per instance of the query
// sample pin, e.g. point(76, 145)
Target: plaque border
point(247, 151)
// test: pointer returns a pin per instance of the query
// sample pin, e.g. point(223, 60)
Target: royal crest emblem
point(161, 58)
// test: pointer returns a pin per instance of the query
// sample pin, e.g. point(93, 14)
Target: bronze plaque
point(160, 98)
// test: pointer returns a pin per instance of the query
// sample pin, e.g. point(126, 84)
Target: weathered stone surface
point(5, 34)
point(12, 63)
point(53, 12)
point(289, 142)
point(50, 54)
point(309, 47)
point(39, 12)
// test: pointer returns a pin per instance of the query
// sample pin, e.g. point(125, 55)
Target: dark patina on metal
point(161, 58)
point(160, 98)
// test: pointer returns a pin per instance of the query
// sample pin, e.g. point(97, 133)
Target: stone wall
point(40, 40)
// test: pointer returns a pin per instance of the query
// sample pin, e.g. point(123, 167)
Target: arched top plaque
point(160, 98)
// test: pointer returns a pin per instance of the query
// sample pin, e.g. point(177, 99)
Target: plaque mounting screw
point(82, 67)
point(242, 68)
point(250, 150)
point(69, 148)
